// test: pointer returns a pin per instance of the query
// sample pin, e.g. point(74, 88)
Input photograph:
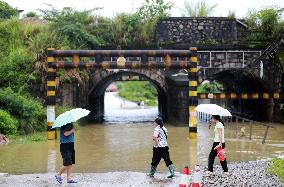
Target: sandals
point(58, 179)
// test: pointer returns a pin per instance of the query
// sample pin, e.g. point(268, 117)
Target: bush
point(210, 87)
point(16, 71)
point(29, 112)
point(8, 125)
point(6, 11)
point(31, 15)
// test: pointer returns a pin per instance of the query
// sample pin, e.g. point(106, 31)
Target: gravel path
point(250, 173)
point(240, 174)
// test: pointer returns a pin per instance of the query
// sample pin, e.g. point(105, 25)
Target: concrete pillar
point(51, 96)
point(193, 100)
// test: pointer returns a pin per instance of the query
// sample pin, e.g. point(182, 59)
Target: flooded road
point(118, 110)
point(127, 146)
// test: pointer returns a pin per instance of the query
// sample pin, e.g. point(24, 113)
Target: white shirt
point(217, 126)
point(160, 134)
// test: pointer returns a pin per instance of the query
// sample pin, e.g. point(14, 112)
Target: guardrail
point(205, 118)
point(251, 122)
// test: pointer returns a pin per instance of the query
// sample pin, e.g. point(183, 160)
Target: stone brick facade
point(198, 31)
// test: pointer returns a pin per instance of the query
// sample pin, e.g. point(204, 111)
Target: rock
point(200, 27)
point(3, 139)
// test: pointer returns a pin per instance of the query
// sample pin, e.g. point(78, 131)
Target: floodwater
point(124, 146)
point(118, 110)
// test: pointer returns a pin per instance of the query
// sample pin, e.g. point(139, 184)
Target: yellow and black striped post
point(193, 101)
point(51, 97)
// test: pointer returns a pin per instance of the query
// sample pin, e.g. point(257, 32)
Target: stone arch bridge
point(241, 72)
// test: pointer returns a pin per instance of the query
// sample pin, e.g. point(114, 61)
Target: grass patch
point(35, 137)
point(137, 91)
point(277, 168)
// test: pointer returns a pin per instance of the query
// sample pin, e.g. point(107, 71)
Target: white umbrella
point(213, 109)
point(70, 116)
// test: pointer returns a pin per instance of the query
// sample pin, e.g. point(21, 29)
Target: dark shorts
point(68, 153)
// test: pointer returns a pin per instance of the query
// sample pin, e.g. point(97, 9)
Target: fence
point(205, 118)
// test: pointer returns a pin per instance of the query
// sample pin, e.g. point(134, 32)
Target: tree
point(265, 25)
point(153, 9)
point(31, 15)
point(74, 26)
point(150, 13)
point(6, 11)
point(198, 9)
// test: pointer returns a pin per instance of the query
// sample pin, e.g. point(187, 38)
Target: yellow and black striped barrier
point(51, 96)
point(240, 96)
point(193, 100)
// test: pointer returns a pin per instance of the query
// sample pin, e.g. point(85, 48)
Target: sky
point(111, 7)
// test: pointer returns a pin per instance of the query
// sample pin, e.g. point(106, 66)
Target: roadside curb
point(4, 174)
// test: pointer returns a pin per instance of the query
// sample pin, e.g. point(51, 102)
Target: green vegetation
point(138, 91)
point(33, 137)
point(154, 8)
point(8, 125)
point(231, 14)
point(198, 9)
point(210, 87)
point(265, 25)
point(29, 114)
point(280, 56)
point(31, 15)
point(6, 11)
point(277, 168)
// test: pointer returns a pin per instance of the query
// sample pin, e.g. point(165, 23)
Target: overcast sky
point(110, 7)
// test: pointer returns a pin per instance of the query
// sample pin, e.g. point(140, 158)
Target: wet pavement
point(250, 173)
point(120, 179)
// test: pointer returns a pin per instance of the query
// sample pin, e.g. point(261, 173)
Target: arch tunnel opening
point(103, 104)
point(239, 81)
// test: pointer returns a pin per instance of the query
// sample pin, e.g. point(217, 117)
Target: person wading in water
point(219, 141)
point(160, 149)
point(67, 152)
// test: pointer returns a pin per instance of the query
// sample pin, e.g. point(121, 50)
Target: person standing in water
point(67, 152)
point(160, 149)
point(219, 141)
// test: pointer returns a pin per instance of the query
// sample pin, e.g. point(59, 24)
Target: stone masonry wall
point(211, 30)
point(222, 60)
point(226, 59)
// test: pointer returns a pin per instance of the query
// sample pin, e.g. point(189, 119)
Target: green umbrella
point(70, 116)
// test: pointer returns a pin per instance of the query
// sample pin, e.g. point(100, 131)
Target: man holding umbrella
point(67, 152)
point(65, 122)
